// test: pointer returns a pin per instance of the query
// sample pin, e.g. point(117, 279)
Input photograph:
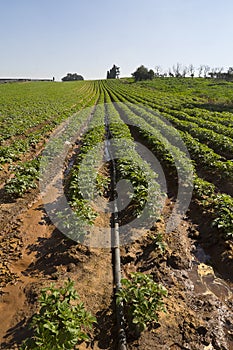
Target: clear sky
point(46, 38)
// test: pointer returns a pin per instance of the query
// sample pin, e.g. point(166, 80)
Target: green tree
point(72, 77)
point(142, 73)
point(114, 72)
point(151, 74)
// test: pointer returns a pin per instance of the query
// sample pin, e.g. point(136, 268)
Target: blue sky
point(46, 38)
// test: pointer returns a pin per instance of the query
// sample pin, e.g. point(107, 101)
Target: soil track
point(46, 257)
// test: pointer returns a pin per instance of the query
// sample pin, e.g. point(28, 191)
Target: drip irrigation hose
point(116, 251)
point(117, 272)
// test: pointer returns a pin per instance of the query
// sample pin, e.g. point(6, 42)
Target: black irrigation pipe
point(122, 342)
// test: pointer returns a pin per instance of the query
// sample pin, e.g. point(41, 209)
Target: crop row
point(169, 102)
point(201, 153)
point(23, 107)
point(132, 167)
point(207, 124)
point(28, 140)
point(219, 205)
point(222, 144)
point(85, 182)
point(25, 174)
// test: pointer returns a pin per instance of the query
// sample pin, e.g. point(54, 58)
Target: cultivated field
point(168, 143)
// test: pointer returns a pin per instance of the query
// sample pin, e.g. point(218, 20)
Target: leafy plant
point(102, 184)
point(85, 173)
point(132, 167)
point(60, 324)
point(142, 298)
point(218, 205)
point(159, 242)
point(223, 205)
point(25, 176)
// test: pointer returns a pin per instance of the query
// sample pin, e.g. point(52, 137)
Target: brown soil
point(198, 304)
point(224, 186)
point(45, 257)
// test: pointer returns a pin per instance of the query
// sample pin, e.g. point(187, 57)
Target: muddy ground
point(195, 269)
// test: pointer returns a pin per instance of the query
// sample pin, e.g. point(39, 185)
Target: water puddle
point(204, 279)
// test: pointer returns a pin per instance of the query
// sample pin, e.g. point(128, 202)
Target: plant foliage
point(60, 323)
point(142, 298)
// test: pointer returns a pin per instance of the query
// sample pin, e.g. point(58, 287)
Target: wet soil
point(46, 256)
point(199, 303)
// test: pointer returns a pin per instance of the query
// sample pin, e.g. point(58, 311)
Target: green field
point(200, 109)
point(175, 208)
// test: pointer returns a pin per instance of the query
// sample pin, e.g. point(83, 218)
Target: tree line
point(180, 71)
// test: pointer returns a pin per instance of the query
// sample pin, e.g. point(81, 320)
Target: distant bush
point(72, 77)
point(142, 73)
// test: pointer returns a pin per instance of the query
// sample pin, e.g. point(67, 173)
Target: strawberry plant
point(61, 321)
point(158, 240)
